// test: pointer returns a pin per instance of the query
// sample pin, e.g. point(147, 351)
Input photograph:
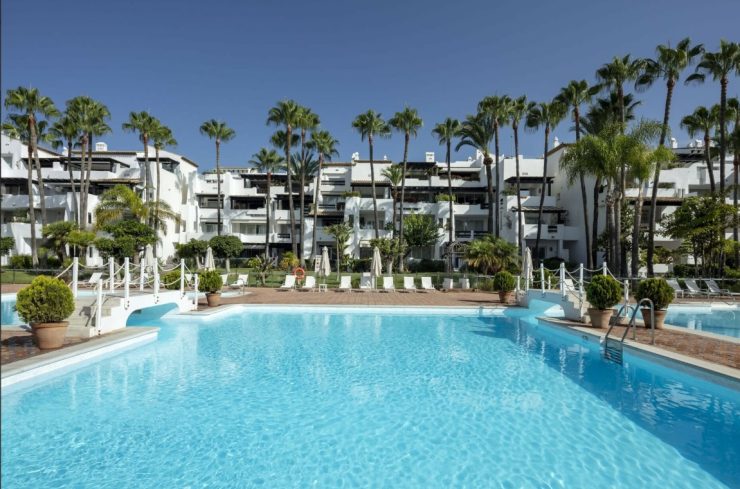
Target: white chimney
point(430, 156)
point(698, 143)
point(385, 157)
point(674, 143)
point(65, 150)
point(101, 146)
point(355, 156)
point(555, 142)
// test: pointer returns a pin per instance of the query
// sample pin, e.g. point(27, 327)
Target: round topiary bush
point(657, 290)
point(171, 280)
point(604, 292)
point(46, 300)
point(504, 282)
point(209, 281)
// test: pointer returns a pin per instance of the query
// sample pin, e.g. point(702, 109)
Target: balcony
point(21, 201)
point(553, 231)
point(469, 235)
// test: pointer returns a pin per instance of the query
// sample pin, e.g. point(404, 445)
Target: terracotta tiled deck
point(17, 344)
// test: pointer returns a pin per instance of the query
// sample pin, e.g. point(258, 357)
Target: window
point(90, 252)
point(89, 217)
point(208, 227)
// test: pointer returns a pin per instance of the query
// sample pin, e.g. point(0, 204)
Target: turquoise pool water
point(724, 320)
point(274, 398)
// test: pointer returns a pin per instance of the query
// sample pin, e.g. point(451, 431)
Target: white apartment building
point(109, 168)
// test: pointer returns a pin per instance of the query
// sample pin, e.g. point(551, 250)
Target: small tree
point(489, 255)
point(57, 234)
point(193, 249)
point(79, 241)
point(227, 247)
point(7, 243)
point(389, 248)
point(419, 230)
point(129, 238)
point(341, 233)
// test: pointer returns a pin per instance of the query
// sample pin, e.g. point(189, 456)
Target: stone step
point(82, 322)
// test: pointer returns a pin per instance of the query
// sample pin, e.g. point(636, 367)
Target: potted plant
point(658, 291)
point(504, 283)
point(603, 293)
point(45, 304)
point(209, 281)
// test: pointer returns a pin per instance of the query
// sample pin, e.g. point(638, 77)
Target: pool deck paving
point(17, 344)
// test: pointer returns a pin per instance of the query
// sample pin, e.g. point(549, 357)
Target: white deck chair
point(310, 284)
point(225, 278)
point(695, 290)
point(188, 278)
point(426, 284)
point(366, 282)
point(93, 281)
point(388, 285)
point(241, 281)
point(289, 283)
point(715, 288)
point(408, 284)
point(345, 283)
point(676, 287)
point(448, 284)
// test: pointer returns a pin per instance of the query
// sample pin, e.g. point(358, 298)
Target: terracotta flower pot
point(214, 299)
point(600, 317)
point(659, 317)
point(48, 336)
point(504, 297)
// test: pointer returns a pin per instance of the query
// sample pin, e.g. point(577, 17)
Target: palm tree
point(369, 125)
point(307, 121)
point(490, 255)
point(30, 102)
point(477, 132)
point(720, 66)
point(326, 147)
point(703, 120)
point(407, 122)
point(613, 76)
point(144, 124)
point(341, 233)
point(445, 132)
point(499, 107)
point(520, 107)
point(219, 132)
point(394, 174)
point(91, 116)
point(287, 113)
point(120, 203)
point(548, 116)
point(734, 105)
point(267, 161)
point(668, 65)
point(66, 132)
point(573, 95)
point(161, 137)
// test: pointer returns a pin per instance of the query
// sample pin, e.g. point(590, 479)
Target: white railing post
point(126, 283)
point(580, 283)
point(99, 312)
point(604, 269)
point(626, 296)
point(111, 272)
point(182, 277)
point(142, 271)
point(156, 282)
point(518, 283)
point(75, 275)
point(562, 279)
point(195, 296)
point(542, 277)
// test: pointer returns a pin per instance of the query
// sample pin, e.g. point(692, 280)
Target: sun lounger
point(388, 284)
point(408, 284)
point(225, 278)
point(240, 282)
point(695, 290)
point(310, 284)
point(93, 281)
point(426, 284)
point(676, 287)
point(448, 284)
point(345, 283)
point(289, 283)
point(366, 282)
point(716, 289)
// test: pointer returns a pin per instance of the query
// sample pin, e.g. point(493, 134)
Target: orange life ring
point(299, 273)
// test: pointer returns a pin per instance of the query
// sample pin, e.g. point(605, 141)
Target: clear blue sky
point(188, 61)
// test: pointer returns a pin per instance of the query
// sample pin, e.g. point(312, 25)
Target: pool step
point(613, 350)
point(82, 322)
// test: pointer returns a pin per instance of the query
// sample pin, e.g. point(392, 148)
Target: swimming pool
point(718, 319)
point(284, 397)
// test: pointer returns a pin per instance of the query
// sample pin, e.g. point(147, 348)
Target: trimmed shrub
point(254, 262)
point(46, 300)
point(171, 280)
point(485, 284)
point(426, 265)
point(504, 282)
point(604, 292)
point(209, 281)
point(288, 261)
point(657, 290)
point(20, 262)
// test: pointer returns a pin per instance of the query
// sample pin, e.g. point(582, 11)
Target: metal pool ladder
point(613, 347)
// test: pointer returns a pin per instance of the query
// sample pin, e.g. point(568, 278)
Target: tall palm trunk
point(75, 213)
point(498, 161)
point(708, 158)
point(288, 135)
point(394, 197)
point(219, 203)
point(487, 161)
point(37, 162)
point(520, 214)
point(156, 202)
point(267, 216)
point(317, 195)
point(31, 210)
point(722, 136)
point(403, 197)
point(302, 195)
point(736, 167)
point(88, 172)
point(636, 232)
point(652, 215)
point(372, 184)
point(584, 195)
point(147, 165)
point(620, 263)
point(452, 205)
point(595, 227)
point(542, 196)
